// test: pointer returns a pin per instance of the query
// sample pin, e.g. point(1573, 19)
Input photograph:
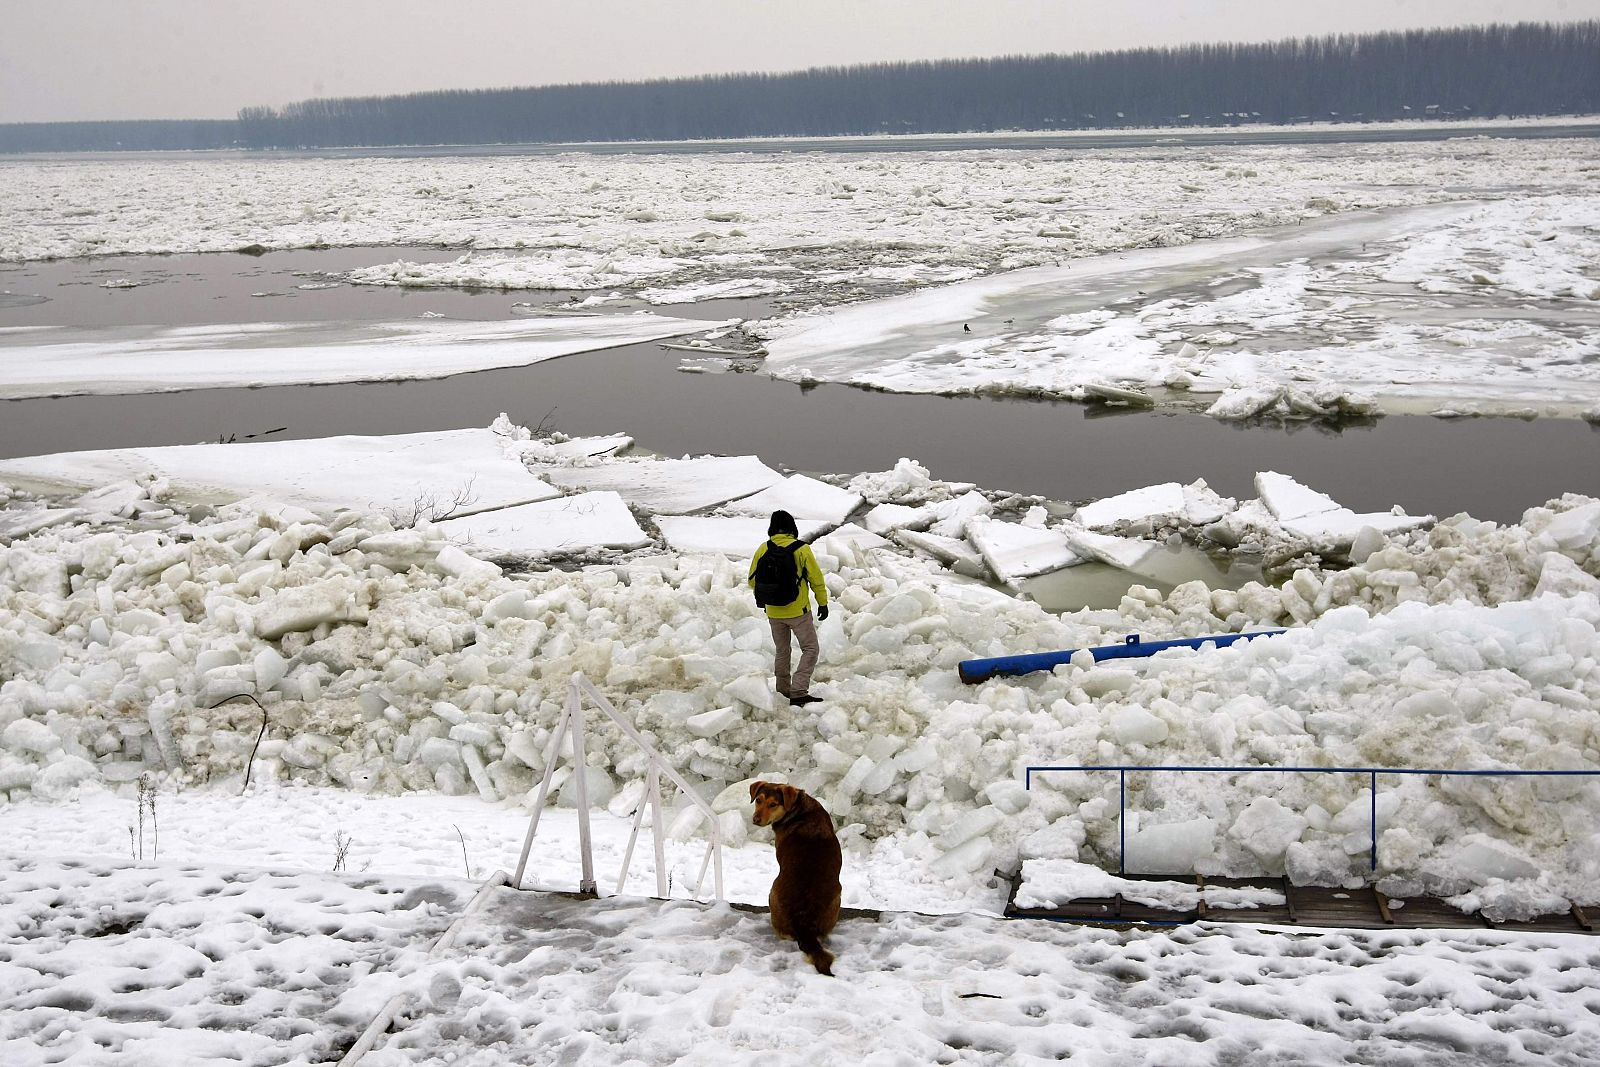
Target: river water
point(1492, 468)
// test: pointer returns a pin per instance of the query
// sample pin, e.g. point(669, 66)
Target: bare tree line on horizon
point(1518, 69)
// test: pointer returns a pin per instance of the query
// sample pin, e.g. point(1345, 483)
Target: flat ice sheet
point(1015, 552)
point(1168, 502)
point(1288, 500)
point(392, 472)
point(1153, 501)
point(549, 527)
point(1124, 552)
point(67, 362)
point(673, 486)
point(802, 497)
point(952, 550)
point(848, 537)
point(713, 535)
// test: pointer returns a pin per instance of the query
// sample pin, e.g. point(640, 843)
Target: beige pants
point(805, 631)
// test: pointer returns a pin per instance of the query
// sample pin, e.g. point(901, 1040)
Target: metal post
point(580, 771)
point(700, 882)
point(716, 858)
point(1122, 817)
point(1373, 790)
point(659, 831)
point(550, 757)
point(627, 853)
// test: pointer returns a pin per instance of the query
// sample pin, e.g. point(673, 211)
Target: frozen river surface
point(1291, 279)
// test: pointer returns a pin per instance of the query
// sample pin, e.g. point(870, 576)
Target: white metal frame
point(572, 722)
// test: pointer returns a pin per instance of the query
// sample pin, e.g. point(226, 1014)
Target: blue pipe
point(974, 671)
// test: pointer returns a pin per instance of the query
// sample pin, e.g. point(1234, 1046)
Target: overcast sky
point(119, 59)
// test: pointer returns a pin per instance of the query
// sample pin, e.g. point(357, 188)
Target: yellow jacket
point(810, 575)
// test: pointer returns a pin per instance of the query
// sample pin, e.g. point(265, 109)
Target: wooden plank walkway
point(1310, 906)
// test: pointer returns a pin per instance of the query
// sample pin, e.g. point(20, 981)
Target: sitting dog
point(805, 895)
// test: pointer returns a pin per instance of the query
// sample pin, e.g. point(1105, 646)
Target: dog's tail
point(820, 957)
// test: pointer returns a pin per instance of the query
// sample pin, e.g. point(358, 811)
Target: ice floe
point(62, 361)
point(431, 474)
point(674, 486)
point(572, 524)
point(736, 538)
point(802, 497)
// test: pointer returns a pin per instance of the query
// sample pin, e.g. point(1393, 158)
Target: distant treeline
point(1483, 71)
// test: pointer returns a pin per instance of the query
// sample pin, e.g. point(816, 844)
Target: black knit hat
point(782, 523)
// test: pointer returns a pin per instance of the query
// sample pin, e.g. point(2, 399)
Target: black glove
point(822, 613)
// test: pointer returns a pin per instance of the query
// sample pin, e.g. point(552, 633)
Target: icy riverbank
point(393, 660)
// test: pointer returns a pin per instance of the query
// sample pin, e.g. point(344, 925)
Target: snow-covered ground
point(242, 946)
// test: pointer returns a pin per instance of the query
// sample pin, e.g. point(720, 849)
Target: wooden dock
point(1309, 906)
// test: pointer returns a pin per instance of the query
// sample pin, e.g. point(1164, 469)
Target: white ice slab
point(951, 516)
point(1338, 529)
point(363, 472)
point(67, 362)
point(1288, 500)
point(1322, 520)
point(802, 497)
point(578, 448)
point(674, 486)
point(734, 538)
point(1153, 501)
point(22, 522)
point(1124, 552)
point(1168, 502)
point(886, 517)
point(839, 542)
point(955, 551)
point(550, 527)
point(1015, 552)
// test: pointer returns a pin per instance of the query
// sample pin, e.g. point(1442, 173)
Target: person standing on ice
point(784, 574)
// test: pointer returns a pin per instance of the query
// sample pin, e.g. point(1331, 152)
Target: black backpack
point(778, 574)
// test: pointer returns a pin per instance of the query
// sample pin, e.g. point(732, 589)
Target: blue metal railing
point(1372, 773)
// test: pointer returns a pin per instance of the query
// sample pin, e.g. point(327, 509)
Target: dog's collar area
point(788, 813)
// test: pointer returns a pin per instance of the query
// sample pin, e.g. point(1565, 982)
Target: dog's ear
point(789, 795)
point(755, 787)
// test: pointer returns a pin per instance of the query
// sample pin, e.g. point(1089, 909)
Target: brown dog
point(805, 895)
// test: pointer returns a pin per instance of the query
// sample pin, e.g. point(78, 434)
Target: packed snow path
point(106, 963)
point(542, 979)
